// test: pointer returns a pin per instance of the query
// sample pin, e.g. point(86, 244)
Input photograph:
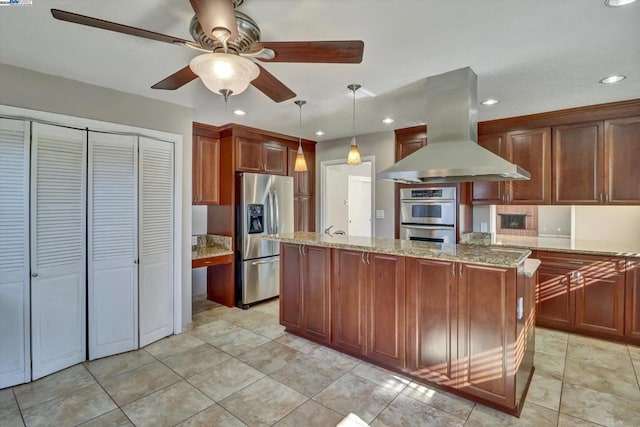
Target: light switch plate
point(194, 240)
point(379, 213)
point(484, 227)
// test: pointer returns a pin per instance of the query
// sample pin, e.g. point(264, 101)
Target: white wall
point(24, 88)
point(482, 214)
point(199, 226)
point(609, 223)
point(382, 146)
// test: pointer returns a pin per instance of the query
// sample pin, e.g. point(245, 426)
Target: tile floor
point(237, 368)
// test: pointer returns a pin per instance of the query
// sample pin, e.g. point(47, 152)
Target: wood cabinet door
point(490, 192)
point(302, 213)
point(431, 320)
point(291, 286)
point(303, 182)
point(386, 310)
point(599, 292)
point(275, 158)
point(249, 155)
point(632, 299)
point(316, 292)
point(554, 298)
point(531, 150)
point(486, 332)
point(208, 187)
point(578, 165)
point(349, 300)
point(622, 157)
point(409, 146)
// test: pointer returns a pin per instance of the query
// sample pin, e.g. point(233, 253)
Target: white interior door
point(58, 246)
point(112, 270)
point(156, 198)
point(359, 206)
point(14, 253)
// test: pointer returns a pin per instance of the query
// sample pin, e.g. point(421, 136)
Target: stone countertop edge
point(474, 254)
point(578, 247)
point(209, 252)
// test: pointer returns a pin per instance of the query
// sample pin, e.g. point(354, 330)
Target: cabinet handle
point(362, 257)
point(299, 250)
point(571, 261)
point(460, 270)
point(368, 261)
point(606, 197)
point(453, 270)
point(601, 198)
point(303, 251)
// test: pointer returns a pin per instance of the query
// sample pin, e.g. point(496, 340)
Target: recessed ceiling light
point(612, 79)
point(239, 112)
point(616, 3)
point(388, 120)
point(319, 133)
point(489, 101)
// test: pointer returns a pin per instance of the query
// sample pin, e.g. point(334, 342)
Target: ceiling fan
point(228, 38)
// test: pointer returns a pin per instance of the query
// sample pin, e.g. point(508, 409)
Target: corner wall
point(29, 89)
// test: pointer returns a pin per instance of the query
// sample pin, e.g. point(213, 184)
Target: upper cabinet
point(206, 170)
point(409, 140)
point(622, 157)
point(261, 157)
point(578, 165)
point(529, 149)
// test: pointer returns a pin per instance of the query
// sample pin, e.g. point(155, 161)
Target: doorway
point(347, 195)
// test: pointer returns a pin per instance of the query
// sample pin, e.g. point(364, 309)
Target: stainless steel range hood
point(452, 153)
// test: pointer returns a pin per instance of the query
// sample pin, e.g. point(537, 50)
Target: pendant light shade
point(353, 158)
point(224, 73)
point(301, 163)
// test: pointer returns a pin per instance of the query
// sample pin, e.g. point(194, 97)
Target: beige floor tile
point(115, 418)
point(70, 409)
point(225, 378)
point(270, 357)
point(238, 341)
point(204, 317)
point(311, 414)
point(302, 345)
point(213, 329)
point(545, 391)
point(551, 343)
point(251, 318)
point(602, 379)
point(351, 393)
point(381, 376)
point(548, 365)
point(454, 405)
point(233, 314)
point(612, 358)
point(531, 416)
point(172, 345)
point(133, 385)
point(404, 411)
point(9, 412)
point(271, 329)
point(263, 402)
point(598, 407)
point(307, 375)
point(579, 340)
point(568, 421)
point(270, 307)
point(196, 359)
point(115, 365)
point(213, 415)
point(168, 406)
point(337, 359)
point(201, 303)
point(634, 351)
point(53, 386)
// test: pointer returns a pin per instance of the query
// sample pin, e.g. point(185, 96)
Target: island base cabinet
point(349, 300)
point(632, 309)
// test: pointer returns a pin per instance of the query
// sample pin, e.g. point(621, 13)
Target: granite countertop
point(476, 254)
point(211, 245)
point(577, 246)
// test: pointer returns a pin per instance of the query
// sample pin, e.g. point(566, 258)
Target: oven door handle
point(428, 227)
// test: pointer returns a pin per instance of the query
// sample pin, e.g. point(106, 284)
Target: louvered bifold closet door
point(112, 270)
point(156, 200)
point(58, 246)
point(14, 253)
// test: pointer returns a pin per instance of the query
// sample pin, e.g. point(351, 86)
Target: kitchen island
point(457, 317)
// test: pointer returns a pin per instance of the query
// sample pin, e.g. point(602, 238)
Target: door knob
point(34, 274)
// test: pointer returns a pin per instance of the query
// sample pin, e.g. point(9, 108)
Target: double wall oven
point(428, 214)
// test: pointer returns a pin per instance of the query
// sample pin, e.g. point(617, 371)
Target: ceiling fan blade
point(176, 80)
point(344, 52)
point(272, 87)
point(113, 26)
point(214, 15)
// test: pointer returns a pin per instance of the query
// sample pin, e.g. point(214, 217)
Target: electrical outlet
point(484, 227)
point(194, 240)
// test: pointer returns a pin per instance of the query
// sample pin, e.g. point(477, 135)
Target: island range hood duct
point(452, 153)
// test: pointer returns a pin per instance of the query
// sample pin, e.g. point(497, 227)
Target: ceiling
point(533, 55)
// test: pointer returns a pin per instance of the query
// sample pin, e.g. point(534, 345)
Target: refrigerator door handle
point(264, 262)
point(277, 211)
point(268, 207)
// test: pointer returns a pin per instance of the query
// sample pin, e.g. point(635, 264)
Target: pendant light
point(301, 163)
point(353, 158)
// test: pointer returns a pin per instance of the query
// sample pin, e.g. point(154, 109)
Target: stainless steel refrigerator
point(264, 206)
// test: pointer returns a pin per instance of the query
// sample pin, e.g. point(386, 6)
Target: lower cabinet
point(632, 298)
point(581, 293)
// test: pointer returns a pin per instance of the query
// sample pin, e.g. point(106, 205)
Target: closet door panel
point(156, 182)
point(112, 244)
point(58, 246)
point(14, 253)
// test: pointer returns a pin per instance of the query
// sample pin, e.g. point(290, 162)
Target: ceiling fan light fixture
point(224, 73)
point(353, 157)
point(300, 164)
